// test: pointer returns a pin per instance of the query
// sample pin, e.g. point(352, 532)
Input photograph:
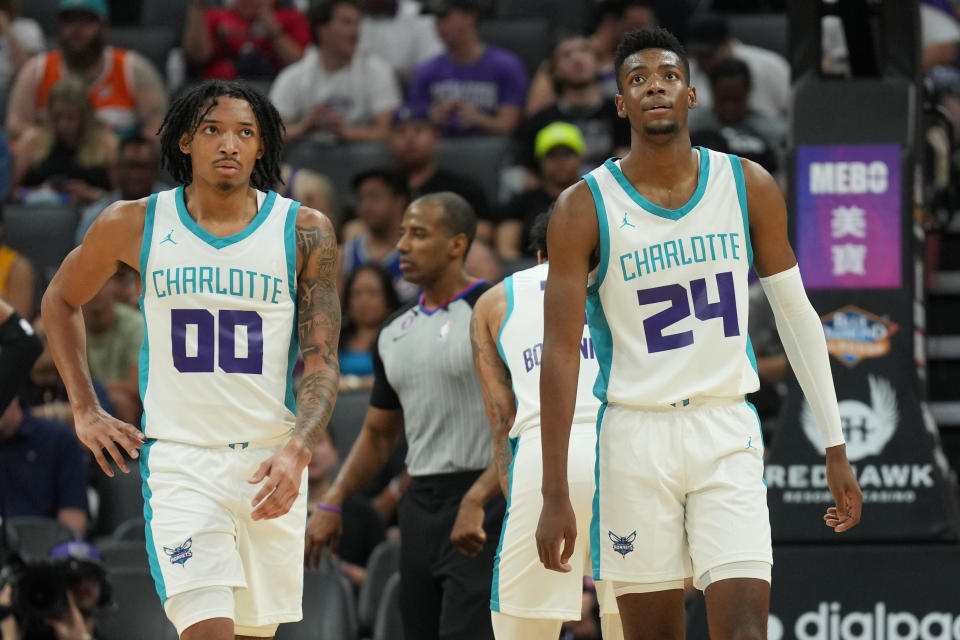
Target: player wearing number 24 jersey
point(235, 281)
point(664, 239)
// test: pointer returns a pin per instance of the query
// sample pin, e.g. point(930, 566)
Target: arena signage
point(854, 334)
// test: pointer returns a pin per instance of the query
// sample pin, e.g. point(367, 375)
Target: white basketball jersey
point(520, 342)
point(667, 304)
point(220, 335)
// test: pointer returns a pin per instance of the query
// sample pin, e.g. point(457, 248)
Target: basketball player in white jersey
point(665, 238)
point(527, 601)
point(233, 280)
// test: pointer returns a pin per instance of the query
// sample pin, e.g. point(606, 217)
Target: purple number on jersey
point(229, 320)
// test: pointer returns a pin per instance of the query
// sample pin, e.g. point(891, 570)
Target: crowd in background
point(80, 131)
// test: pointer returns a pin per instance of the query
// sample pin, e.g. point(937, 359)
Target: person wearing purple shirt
point(473, 88)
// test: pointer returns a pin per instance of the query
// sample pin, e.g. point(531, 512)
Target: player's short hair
point(731, 68)
point(395, 181)
point(538, 232)
point(457, 212)
point(190, 107)
point(649, 38)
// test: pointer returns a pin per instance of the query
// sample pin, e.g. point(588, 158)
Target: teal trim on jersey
point(603, 230)
point(155, 571)
point(214, 241)
point(508, 289)
point(495, 588)
point(737, 165)
point(752, 356)
point(290, 243)
point(595, 517)
point(602, 344)
point(143, 362)
point(657, 210)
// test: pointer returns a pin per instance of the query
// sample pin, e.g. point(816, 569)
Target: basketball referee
point(426, 387)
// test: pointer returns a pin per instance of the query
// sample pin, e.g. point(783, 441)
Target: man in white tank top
point(235, 280)
point(527, 601)
point(664, 239)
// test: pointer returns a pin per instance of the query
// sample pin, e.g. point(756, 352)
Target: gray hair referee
point(426, 387)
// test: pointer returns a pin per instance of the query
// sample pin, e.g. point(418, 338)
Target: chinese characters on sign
point(848, 216)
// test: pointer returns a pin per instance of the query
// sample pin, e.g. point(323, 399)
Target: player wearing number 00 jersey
point(235, 280)
point(666, 255)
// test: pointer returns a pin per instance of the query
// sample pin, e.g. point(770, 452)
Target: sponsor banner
point(895, 454)
point(854, 334)
point(848, 216)
point(838, 592)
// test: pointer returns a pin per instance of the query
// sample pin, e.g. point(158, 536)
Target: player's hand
point(99, 432)
point(323, 527)
point(846, 492)
point(280, 474)
point(468, 535)
point(556, 533)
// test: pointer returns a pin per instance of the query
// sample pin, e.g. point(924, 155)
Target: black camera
point(38, 593)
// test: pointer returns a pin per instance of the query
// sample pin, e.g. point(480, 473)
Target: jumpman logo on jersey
point(169, 238)
point(626, 223)
point(750, 443)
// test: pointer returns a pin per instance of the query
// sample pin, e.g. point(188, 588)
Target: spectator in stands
point(336, 93)
point(114, 336)
point(710, 42)
point(251, 39)
point(66, 158)
point(20, 347)
point(88, 582)
point(363, 529)
point(559, 149)
point(126, 91)
point(135, 174)
point(42, 469)
point(614, 18)
point(413, 144)
point(20, 38)
point(17, 278)
point(582, 102)
point(381, 196)
point(473, 88)
point(311, 189)
point(744, 132)
point(368, 298)
point(397, 32)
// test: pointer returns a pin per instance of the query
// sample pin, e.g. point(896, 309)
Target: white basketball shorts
point(200, 532)
point(680, 490)
point(522, 586)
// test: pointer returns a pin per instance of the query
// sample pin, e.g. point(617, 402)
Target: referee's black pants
point(444, 595)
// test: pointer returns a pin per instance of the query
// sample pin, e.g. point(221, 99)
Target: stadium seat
point(137, 612)
point(573, 14)
point(163, 13)
point(121, 499)
point(389, 625)
point(481, 157)
point(124, 553)
point(153, 43)
point(329, 610)
point(384, 562)
point(529, 38)
point(347, 419)
point(339, 163)
point(38, 535)
point(42, 233)
point(43, 11)
point(767, 30)
point(130, 530)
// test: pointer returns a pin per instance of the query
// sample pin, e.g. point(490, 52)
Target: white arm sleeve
point(804, 342)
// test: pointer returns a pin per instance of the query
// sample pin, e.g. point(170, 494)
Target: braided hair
point(186, 112)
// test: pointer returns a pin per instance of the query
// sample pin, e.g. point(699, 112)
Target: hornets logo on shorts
point(621, 545)
point(180, 555)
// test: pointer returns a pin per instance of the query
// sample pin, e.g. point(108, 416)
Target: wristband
point(329, 507)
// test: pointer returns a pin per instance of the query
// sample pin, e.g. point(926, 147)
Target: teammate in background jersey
point(233, 278)
point(665, 238)
point(528, 602)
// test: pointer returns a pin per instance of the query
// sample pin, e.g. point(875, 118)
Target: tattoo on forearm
point(498, 396)
point(318, 326)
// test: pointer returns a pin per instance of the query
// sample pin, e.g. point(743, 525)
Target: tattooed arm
point(498, 397)
point(318, 326)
